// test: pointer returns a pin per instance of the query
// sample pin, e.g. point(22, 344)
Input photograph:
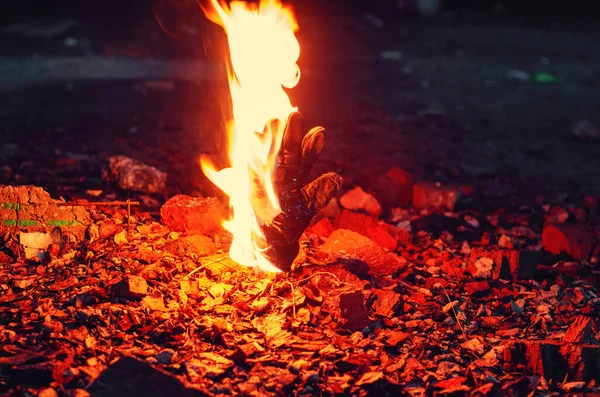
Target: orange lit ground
point(226, 330)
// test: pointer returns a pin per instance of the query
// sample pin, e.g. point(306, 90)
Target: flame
point(263, 51)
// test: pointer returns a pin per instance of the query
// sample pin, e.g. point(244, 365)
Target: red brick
point(575, 240)
point(183, 213)
point(435, 197)
point(380, 235)
point(322, 228)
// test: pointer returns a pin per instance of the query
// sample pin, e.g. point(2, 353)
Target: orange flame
point(264, 52)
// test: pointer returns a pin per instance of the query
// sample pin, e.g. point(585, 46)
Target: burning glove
point(298, 198)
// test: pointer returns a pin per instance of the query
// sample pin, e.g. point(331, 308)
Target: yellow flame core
point(264, 52)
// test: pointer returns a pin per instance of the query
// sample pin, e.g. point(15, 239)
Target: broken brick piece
point(183, 213)
point(435, 197)
point(31, 208)
point(353, 310)
point(575, 240)
point(359, 200)
point(130, 287)
point(346, 244)
point(394, 188)
point(387, 302)
point(204, 245)
point(368, 227)
point(323, 228)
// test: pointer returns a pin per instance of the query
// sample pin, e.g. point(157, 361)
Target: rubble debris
point(134, 175)
point(30, 208)
point(187, 213)
point(359, 200)
point(368, 227)
point(575, 240)
point(435, 196)
point(346, 243)
point(580, 331)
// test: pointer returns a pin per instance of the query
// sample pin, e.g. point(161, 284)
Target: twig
point(98, 203)
point(455, 314)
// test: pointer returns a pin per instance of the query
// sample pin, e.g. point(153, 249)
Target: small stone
point(133, 175)
point(154, 303)
point(109, 229)
point(186, 213)
point(204, 245)
point(49, 392)
point(575, 240)
point(165, 356)
point(435, 197)
point(359, 200)
point(130, 287)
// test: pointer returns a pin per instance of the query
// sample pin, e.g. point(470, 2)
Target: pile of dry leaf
point(402, 288)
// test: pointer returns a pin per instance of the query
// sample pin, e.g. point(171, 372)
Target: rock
point(30, 208)
point(322, 228)
point(353, 311)
point(133, 175)
point(49, 392)
point(134, 378)
point(387, 302)
point(435, 197)
point(191, 246)
point(34, 243)
point(109, 229)
point(497, 263)
point(186, 213)
point(130, 287)
point(165, 356)
point(368, 227)
point(359, 200)
point(575, 240)
point(204, 245)
point(346, 244)
point(394, 188)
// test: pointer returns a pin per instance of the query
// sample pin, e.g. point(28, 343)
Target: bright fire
point(264, 52)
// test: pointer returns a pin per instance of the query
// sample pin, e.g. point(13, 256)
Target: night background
point(459, 257)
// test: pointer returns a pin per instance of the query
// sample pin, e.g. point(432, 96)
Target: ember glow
point(263, 51)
